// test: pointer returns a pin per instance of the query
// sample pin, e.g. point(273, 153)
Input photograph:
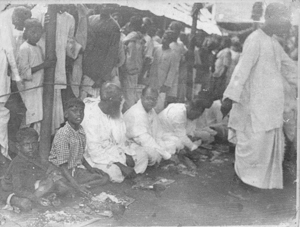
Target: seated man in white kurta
point(143, 127)
point(174, 119)
point(107, 148)
point(211, 124)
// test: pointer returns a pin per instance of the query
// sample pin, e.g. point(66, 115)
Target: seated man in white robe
point(174, 120)
point(107, 148)
point(210, 124)
point(143, 127)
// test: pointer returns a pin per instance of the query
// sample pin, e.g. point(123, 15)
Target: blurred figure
point(222, 64)
point(180, 50)
point(163, 69)
point(101, 54)
point(235, 49)
point(158, 35)
point(135, 55)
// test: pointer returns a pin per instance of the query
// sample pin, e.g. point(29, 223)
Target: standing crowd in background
point(121, 103)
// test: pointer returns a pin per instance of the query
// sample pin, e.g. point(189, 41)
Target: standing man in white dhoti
point(8, 50)
point(256, 93)
point(143, 127)
point(107, 146)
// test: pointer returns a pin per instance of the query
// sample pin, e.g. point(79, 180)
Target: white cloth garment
point(212, 118)
point(256, 118)
point(145, 130)
point(174, 121)
point(29, 57)
point(65, 45)
point(7, 58)
point(107, 143)
point(180, 50)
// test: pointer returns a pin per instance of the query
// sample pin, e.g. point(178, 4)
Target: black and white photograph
point(149, 113)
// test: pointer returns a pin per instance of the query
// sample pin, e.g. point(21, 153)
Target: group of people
point(121, 95)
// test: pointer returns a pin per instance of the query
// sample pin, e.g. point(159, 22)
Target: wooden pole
point(190, 59)
point(48, 94)
point(298, 131)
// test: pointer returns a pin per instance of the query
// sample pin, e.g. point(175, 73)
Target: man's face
point(29, 146)
point(149, 100)
point(165, 40)
point(114, 106)
point(282, 27)
point(75, 115)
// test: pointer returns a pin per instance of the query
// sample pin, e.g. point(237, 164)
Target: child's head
point(74, 112)
point(27, 142)
point(33, 31)
point(20, 14)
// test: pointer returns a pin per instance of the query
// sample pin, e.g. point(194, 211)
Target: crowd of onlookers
point(121, 94)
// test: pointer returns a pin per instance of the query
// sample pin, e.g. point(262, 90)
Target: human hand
point(44, 202)
point(46, 19)
point(198, 143)
point(226, 106)
point(83, 189)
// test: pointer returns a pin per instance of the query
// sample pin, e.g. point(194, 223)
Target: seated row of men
point(98, 144)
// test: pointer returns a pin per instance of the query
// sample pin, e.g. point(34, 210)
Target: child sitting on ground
point(31, 66)
point(68, 149)
point(27, 180)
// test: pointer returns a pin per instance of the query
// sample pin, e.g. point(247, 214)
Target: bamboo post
point(48, 93)
point(298, 130)
point(190, 59)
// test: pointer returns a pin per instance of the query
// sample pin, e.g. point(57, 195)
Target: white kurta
point(145, 129)
point(180, 49)
point(174, 121)
point(29, 57)
point(162, 72)
point(256, 118)
point(106, 142)
point(7, 58)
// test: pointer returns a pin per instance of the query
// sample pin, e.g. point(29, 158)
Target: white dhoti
point(114, 172)
point(259, 157)
point(4, 118)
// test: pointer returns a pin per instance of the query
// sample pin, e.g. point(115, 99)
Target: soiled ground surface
point(189, 201)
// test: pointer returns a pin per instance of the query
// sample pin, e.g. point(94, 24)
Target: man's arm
point(243, 70)
point(146, 140)
point(91, 169)
point(68, 176)
point(289, 68)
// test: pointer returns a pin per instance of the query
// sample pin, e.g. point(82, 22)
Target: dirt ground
point(199, 200)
